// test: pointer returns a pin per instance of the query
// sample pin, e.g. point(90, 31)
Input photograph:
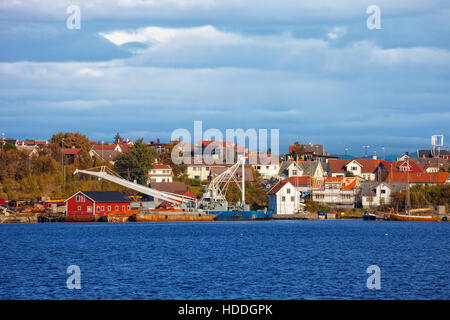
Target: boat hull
point(173, 217)
point(404, 217)
point(241, 215)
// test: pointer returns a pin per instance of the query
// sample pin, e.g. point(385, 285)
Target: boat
point(241, 215)
point(411, 214)
point(369, 216)
point(172, 216)
point(407, 217)
point(214, 198)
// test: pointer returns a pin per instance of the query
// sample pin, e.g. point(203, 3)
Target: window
point(117, 208)
point(89, 209)
point(197, 177)
point(354, 168)
point(98, 209)
point(82, 198)
point(292, 199)
point(103, 208)
point(383, 191)
point(283, 199)
point(123, 207)
point(294, 172)
point(109, 208)
point(78, 198)
point(128, 207)
point(79, 208)
point(288, 191)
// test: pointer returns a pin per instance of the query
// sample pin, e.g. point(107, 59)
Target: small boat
point(407, 217)
point(240, 215)
point(369, 216)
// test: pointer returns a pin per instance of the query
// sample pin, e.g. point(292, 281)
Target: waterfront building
point(91, 205)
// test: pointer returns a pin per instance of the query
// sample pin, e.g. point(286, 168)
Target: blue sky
point(309, 68)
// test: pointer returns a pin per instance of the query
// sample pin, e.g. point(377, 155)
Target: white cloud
point(337, 32)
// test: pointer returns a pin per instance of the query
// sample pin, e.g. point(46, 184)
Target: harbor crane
point(104, 172)
point(215, 194)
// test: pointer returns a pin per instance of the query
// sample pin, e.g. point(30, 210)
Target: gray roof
point(366, 185)
point(106, 196)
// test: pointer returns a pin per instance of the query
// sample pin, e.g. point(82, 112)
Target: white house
point(285, 199)
point(375, 194)
point(302, 168)
point(160, 173)
point(336, 191)
point(267, 171)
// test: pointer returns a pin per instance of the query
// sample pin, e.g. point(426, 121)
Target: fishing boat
point(214, 200)
point(408, 217)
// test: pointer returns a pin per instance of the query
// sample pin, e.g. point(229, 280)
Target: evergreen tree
point(135, 163)
point(117, 138)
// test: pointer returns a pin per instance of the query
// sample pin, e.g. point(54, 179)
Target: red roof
point(105, 147)
point(70, 151)
point(161, 166)
point(419, 177)
point(277, 187)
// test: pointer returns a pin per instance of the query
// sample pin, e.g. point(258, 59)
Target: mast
point(243, 183)
point(408, 196)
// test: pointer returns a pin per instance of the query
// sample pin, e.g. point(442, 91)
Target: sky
point(310, 68)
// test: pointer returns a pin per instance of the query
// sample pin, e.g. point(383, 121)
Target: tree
point(135, 163)
point(117, 138)
point(70, 139)
point(298, 150)
point(8, 146)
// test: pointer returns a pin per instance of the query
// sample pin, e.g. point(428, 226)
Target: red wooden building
point(91, 205)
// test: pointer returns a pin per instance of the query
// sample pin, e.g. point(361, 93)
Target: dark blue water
point(226, 260)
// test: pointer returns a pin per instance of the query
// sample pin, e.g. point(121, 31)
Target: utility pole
point(3, 141)
point(62, 165)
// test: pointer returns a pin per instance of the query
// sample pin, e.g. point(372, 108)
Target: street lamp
point(382, 148)
point(366, 148)
point(346, 149)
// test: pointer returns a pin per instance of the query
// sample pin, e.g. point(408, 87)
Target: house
point(32, 143)
point(375, 194)
point(30, 150)
point(90, 205)
point(337, 191)
point(419, 178)
point(441, 154)
point(171, 187)
point(364, 168)
point(70, 154)
point(200, 171)
point(315, 169)
point(160, 173)
point(107, 152)
point(267, 171)
point(285, 199)
point(217, 170)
